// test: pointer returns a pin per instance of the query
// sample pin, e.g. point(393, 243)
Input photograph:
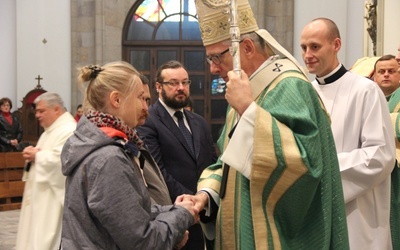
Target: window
point(162, 20)
point(157, 31)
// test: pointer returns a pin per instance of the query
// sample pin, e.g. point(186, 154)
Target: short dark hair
point(4, 100)
point(384, 58)
point(190, 103)
point(168, 65)
point(144, 79)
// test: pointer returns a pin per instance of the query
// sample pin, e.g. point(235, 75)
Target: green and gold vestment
point(394, 108)
point(293, 198)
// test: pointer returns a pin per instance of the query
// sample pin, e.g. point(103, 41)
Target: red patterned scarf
point(101, 119)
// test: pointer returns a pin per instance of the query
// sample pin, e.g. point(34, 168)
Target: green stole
point(394, 108)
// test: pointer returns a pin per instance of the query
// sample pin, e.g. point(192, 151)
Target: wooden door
point(207, 91)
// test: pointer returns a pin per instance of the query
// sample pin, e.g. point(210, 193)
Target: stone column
point(96, 28)
point(277, 17)
point(83, 43)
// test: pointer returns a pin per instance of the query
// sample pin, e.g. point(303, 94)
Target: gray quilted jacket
point(107, 205)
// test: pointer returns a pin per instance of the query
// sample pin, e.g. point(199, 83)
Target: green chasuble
point(293, 198)
point(394, 108)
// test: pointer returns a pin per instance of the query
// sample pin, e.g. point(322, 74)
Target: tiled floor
point(8, 229)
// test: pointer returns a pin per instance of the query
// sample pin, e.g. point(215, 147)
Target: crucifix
point(371, 18)
point(38, 85)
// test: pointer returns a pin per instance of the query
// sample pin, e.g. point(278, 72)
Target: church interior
point(44, 42)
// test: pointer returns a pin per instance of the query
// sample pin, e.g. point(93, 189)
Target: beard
point(173, 103)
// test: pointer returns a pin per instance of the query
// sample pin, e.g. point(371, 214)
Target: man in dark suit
point(181, 144)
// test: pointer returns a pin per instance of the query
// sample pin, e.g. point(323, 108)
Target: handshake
point(193, 203)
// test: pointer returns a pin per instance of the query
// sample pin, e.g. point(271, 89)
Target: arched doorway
point(158, 31)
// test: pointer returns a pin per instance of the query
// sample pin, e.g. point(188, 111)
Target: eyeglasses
point(174, 83)
point(216, 59)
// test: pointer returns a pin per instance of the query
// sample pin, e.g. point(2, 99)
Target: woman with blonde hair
point(107, 204)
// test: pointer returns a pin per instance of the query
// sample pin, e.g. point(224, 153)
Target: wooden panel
point(11, 206)
point(2, 160)
point(16, 188)
point(4, 190)
point(3, 176)
point(11, 185)
point(30, 124)
point(14, 159)
point(15, 174)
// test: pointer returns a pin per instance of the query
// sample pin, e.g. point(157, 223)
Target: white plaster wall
point(38, 20)
point(391, 29)
point(8, 51)
point(354, 41)
point(348, 16)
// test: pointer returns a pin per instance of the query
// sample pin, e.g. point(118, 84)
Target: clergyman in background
point(43, 199)
point(387, 76)
point(363, 135)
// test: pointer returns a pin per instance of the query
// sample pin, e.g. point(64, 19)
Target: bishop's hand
point(238, 91)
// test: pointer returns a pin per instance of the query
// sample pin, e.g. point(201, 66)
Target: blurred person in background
point(10, 128)
point(43, 200)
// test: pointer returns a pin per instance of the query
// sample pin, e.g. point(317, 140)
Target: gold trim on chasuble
point(395, 117)
point(397, 108)
point(264, 152)
point(207, 180)
point(226, 219)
